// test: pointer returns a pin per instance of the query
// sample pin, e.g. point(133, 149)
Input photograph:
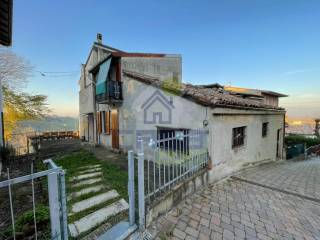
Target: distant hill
point(52, 123)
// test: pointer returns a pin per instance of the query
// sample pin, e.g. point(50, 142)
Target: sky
point(264, 44)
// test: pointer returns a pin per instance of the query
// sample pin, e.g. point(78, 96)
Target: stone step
point(96, 218)
point(85, 176)
point(98, 169)
point(93, 201)
point(88, 167)
point(85, 191)
point(87, 182)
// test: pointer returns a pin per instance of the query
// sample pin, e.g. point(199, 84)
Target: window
point(174, 139)
point(265, 129)
point(238, 136)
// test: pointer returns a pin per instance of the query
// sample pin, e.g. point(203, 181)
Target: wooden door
point(115, 128)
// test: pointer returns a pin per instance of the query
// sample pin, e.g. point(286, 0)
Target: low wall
point(165, 203)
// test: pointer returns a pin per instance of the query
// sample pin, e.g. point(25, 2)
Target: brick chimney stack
point(99, 38)
point(317, 128)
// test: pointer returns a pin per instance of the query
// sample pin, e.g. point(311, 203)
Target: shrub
point(24, 225)
point(295, 139)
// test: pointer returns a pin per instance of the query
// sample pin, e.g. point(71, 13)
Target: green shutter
point(101, 79)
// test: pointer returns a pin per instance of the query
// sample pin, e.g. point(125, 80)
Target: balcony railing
point(113, 93)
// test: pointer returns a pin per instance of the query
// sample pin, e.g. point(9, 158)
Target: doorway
point(115, 128)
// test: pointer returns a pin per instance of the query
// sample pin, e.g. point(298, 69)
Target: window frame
point(236, 143)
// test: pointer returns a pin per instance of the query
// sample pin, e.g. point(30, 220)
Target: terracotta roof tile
point(213, 97)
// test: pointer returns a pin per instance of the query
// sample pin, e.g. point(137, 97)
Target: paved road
point(301, 177)
point(236, 209)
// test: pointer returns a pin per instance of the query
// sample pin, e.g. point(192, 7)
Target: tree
point(18, 105)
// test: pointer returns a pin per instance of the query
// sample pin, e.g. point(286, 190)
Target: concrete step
point(87, 182)
point(98, 169)
point(93, 201)
point(88, 167)
point(96, 218)
point(85, 176)
point(85, 191)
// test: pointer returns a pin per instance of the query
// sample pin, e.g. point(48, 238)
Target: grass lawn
point(113, 178)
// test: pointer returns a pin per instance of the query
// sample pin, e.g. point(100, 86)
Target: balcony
point(109, 91)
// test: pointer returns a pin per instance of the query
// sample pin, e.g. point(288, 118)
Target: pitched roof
point(212, 97)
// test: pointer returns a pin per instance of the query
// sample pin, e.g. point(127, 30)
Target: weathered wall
point(270, 100)
point(165, 68)
point(86, 92)
point(256, 147)
point(185, 114)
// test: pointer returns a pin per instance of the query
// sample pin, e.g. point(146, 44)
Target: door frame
point(115, 128)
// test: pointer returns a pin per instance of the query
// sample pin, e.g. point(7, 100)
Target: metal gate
point(56, 196)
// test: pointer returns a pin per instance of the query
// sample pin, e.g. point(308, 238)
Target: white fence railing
point(172, 157)
point(56, 195)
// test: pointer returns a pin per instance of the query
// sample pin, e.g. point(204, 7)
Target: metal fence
point(170, 158)
point(56, 195)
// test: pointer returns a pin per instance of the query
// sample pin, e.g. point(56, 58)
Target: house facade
point(123, 95)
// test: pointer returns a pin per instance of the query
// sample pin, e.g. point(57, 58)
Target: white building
point(124, 94)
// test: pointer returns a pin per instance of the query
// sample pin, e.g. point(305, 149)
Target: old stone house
point(122, 94)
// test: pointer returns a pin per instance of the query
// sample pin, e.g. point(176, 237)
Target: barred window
point(238, 136)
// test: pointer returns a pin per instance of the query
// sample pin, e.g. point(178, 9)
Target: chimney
point(99, 38)
point(317, 128)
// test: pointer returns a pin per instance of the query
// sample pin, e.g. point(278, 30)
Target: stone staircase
point(90, 203)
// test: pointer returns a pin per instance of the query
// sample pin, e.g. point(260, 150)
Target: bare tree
point(18, 105)
point(14, 70)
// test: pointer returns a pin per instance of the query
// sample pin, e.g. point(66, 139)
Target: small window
point(238, 135)
point(265, 129)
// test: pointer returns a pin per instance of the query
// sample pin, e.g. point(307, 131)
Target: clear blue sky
point(267, 44)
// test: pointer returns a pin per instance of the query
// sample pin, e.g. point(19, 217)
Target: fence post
point(141, 184)
point(63, 205)
point(131, 187)
point(53, 191)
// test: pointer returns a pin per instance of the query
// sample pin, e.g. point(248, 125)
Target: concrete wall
point(86, 94)
point(185, 114)
point(256, 147)
point(165, 68)
point(271, 100)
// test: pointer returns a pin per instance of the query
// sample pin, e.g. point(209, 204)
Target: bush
point(24, 225)
point(295, 139)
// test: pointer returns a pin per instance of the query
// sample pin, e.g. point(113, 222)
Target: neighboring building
point(118, 91)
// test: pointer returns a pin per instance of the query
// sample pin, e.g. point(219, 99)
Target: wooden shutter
point(99, 122)
point(107, 122)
